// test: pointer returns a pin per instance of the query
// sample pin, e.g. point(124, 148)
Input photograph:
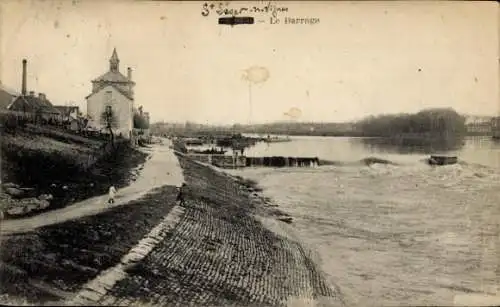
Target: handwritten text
point(223, 9)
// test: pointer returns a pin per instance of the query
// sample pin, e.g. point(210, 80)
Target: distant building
point(31, 106)
point(68, 112)
point(112, 92)
point(495, 127)
point(71, 118)
point(479, 124)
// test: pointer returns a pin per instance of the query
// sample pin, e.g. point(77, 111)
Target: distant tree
point(435, 122)
point(110, 121)
point(140, 122)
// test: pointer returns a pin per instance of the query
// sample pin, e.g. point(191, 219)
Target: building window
point(108, 97)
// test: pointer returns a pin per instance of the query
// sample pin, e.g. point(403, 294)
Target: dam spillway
point(226, 161)
point(280, 161)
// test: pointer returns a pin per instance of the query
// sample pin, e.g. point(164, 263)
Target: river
point(386, 235)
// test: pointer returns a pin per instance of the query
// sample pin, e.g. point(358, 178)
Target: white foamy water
point(407, 234)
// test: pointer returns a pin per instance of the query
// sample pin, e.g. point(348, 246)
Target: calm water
point(406, 234)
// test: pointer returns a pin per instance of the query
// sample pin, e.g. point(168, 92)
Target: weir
point(226, 161)
point(280, 161)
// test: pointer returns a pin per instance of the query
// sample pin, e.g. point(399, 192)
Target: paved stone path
point(161, 168)
point(218, 254)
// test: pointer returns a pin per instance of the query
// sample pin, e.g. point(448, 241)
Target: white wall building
point(113, 91)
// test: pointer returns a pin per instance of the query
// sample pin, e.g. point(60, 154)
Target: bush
point(10, 122)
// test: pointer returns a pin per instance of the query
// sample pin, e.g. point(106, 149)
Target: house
point(68, 112)
point(111, 102)
point(70, 116)
point(35, 108)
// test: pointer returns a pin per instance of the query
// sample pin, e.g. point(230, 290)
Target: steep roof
point(32, 104)
point(113, 76)
point(124, 93)
point(114, 56)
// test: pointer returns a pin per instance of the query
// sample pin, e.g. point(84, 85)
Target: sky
point(361, 58)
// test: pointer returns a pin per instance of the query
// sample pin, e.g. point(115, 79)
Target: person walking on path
point(180, 195)
point(112, 192)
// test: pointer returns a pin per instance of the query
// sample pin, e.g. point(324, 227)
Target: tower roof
point(114, 78)
point(114, 56)
point(114, 61)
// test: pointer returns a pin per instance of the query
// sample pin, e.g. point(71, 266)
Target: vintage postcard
point(249, 153)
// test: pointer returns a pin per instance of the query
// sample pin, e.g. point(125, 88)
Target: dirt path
point(161, 168)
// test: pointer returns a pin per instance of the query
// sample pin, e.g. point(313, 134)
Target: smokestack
point(129, 73)
point(23, 88)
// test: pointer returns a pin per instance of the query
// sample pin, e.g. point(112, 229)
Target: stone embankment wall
point(218, 254)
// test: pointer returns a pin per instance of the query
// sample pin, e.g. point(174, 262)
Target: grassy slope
point(48, 165)
point(67, 255)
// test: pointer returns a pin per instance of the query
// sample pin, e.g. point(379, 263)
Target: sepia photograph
point(249, 153)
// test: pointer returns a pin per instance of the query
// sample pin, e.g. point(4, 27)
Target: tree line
point(444, 122)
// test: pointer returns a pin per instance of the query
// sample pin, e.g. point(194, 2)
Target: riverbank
point(217, 253)
point(220, 254)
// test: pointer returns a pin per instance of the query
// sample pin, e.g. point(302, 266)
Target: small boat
point(442, 160)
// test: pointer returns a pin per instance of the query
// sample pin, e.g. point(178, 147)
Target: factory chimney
point(23, 88)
